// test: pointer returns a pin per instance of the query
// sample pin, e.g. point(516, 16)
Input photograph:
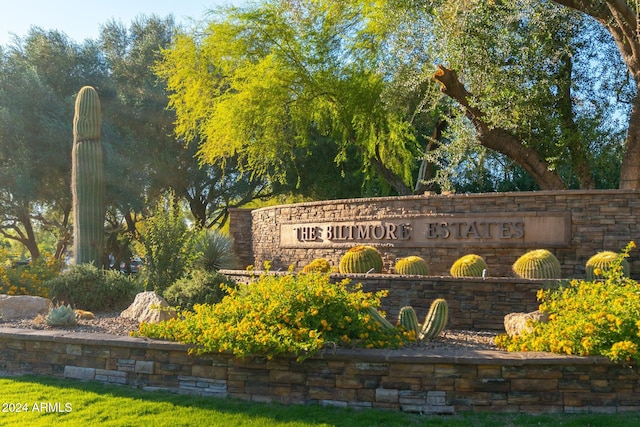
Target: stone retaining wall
point(410, 380)
point(475, 304)
point(574, 224)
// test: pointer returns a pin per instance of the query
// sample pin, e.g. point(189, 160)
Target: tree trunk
point(499, 139)
point(630, 171)
point(29, 241)
point(389, 176)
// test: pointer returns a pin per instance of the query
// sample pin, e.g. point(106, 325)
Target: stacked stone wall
point(410, 380)
point(586, 221)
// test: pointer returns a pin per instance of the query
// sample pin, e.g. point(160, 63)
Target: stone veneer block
point(143, 367)
point(78, 373)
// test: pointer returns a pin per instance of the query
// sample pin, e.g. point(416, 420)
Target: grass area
point(45, 401)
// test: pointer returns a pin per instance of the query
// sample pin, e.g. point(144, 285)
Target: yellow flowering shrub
point(291, 314)
point(587, 318)
point(28, 279)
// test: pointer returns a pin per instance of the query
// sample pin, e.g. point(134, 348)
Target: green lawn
point(46, 401)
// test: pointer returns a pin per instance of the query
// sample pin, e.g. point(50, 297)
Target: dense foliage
point(165, 243)
point(290, 314)
point(86, 287)
point(198, 287)
point(600, 317)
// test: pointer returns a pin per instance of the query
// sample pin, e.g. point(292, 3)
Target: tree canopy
point(267, 85)
point(541, 83)
point(528, 85)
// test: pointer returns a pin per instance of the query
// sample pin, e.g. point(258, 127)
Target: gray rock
point(517, 323)
point(149, 307)
point(23, 306)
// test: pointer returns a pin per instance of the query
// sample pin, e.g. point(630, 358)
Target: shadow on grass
point(164, 408)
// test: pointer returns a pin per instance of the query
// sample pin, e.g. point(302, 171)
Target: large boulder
point(149, 307)
point(23, 306)
point(517, 323)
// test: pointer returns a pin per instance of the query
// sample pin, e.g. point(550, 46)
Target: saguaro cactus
point(87, 179)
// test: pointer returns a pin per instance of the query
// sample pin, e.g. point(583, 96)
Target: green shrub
point(166, 244)
point(201, 287)
point(89, 288)
point(291, 314)
point(587, 318)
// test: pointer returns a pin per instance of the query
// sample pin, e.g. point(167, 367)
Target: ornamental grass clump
point(291, 314)
point(588, 318)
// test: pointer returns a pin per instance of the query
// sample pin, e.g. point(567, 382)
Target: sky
point(81, 20)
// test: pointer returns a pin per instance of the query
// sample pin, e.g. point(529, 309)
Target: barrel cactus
point(537, 264)
point(318, 265)
point(87, 179)
point(436, 320)
point(361, 259)
point(603, 261)
point(469, 266)
point(412, 265)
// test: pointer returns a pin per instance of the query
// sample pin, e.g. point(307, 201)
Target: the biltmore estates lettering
point(432, 229)
point(475, 230)
point(356, 232)
point(526, 229)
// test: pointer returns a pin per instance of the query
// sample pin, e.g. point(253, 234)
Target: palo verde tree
point(266, 85)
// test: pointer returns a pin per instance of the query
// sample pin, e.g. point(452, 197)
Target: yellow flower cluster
point(28, 279)
point(290, 314)
point(587, 318)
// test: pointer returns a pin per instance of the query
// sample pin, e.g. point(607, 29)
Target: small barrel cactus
point(436, 320)
point(603, 261)
point(361, 259)
point(378, 317)
point(62, 315)
point(469, 266)
point(407, 318)
point(537, 264)
point(412, 265)
point(319, 265)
